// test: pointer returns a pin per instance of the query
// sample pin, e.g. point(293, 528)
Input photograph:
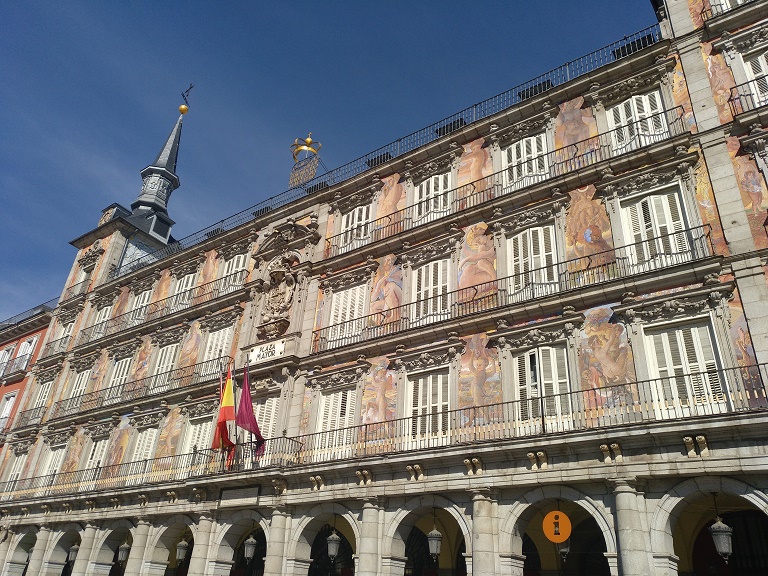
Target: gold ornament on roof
point(305, 144)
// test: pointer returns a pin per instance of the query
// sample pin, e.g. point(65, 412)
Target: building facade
point(552, 301)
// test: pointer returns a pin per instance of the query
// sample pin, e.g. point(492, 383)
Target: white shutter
point(355, 228)
point(432, 200)
point(119, 376)
point(656, 226)
point(145, 445)
point(17, 467)
point(66, 330)
point(554, 381)
point(53, 461)
point(533, 257)
point(218, 344)
point(526, 161)
point(26, 347)
point(757, 71)
point(265, 410)
point(5, 355)
point(81, 382)
point(138, 311)
point(430, 404)
point(637, 121)
point(103, 314)
point(42, 394)
point(430, 291)
point(337, 410)
point(526, 378)
point(347, 305)
point(198, 434)
point(184, 290)
point(7, 406)
point(166, 358)
point(234, 264)
point(96, 456)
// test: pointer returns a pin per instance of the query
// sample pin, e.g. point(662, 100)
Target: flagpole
point(221, 400)
point(234, 400)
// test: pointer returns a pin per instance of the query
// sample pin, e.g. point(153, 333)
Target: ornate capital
point(515, 222)
point(88, 260)
point(179, 268)
point(627, 87)
point(80, 363)
point(100, 429)
point(414, 174)
point(47, 374)
point(343, 204)
point(150, 420)
point(142, 284)
point(340, 280)
point(347, 377)
point(229, 250)
point(58, 438)
point(217, 320)
point(127, 349)
point(201, 409)
point(68, 314)
point(22, 446)
point(681, 307)
point(434, 356)
point(529, 127)
point(438, 248)
point(99, 301)
point(166, 337)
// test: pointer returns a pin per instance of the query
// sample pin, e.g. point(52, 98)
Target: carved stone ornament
point(647, 181)
point(515, 222)
point(288, 236)
point(229, 250)
point(343, 204)
point(628, 87)
point(436, 356)
point(743, 41)
point(88, 260)
point(347, 377)
point(279, 289)
point(47, 374)
point(22, 447)
point(179, 269)
point(506, 136)
point(534, 338)
point(423, 253)
point(122, 350)
point(99, 301)
point(676, 308)
point(142, 284)
point(346, 278)
point(80, 363)
point(417, 174)
point(201, 409)
point(147, 420)
point(100, 429)
point(67, 315)
point(216, 321)
point(58, 438)
point(166, 337)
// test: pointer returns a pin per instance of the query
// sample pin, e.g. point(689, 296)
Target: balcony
point(720, 7)
point(716, 392)
point(30, 417)
point(75, 290)
point(176, 303)
point(614, 143)
point(651, 255)
point(55, 347)
point(749, 96)
point(137, 390)
point(16, 366)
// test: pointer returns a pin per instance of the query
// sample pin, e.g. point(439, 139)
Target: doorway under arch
point(322, 564)
point(255, 566)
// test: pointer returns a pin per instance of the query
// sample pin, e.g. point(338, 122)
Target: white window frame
point(218, 344)
point(525, 162)
point(532, 263)
point(347, 306)
point(144, 449)
point(80, 384)
point(429, 398)
point(184, 290)
point(120, 371)
point(235, 264)
point(637, 121)
point(335, 424)
point(430, 289)
point(356, 228)
point(6, 408)
point(756, 69)
point(138, 310)
point(198, 433)
point(43, 392)
point(166, 360)
point(432, 198)
point(537, 372)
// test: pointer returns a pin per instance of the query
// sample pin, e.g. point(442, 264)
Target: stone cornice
point(350, 277)
point(345, 377)
point(228, 250)
point(434, 356)
point(166, 337)
point(417, 173)
point(517, 338)
point(100, 429)
point(638, 83)
point(287, 236)
point(120, 350)
point(47, 374)
point(681, 305)
point(88, 260)
point(181, 268)
point(443, 247)
point(67, 315)
point(140, 285)
point(503, 137)
point(200, 409)
point(80, 363)
point(218, 320)
point(151, 420)
point(344, 204)
point(743, 40)
point(650, 177)
point(58, 437)
point(516, 221)
point(102, 300)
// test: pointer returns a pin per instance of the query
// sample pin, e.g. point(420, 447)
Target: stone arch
point(21, 545)
point(398, 529)
point(674, 501)
point(60, 541)
point(228, 534)
point(525, 507)
point(163, 538)
point(109, 538)
point(307, 528)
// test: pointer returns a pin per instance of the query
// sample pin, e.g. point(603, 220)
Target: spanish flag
point(221, 438)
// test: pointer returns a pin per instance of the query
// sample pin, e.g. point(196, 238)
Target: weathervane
point(184, 108)
point(304, 169)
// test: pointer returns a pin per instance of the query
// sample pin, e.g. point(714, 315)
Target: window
point(217, 346)
point(532, 263)
point(757, 72)
point(429, 394)
point(139, 310)
point(336, 421)
point(103, 314)
point(145, 445)
point(637, 122)
point(198, 435)
point(26, 348)
point(17, 468)
point(81, 383)
point(166, 358)
point(525, 162)
point(52, 462)
point(96, 455)
point(100, 324)
point(66, 330)
point(6, 407)
point(541, 381)
point(431, 198)
point(5, 356)
point(430, 292)
point(655, 229)
point(346, 306)
point(355, 228)
point(114, 391)
point(265, 410)
point(185, 288)
point(685, 366)
point(42, 394)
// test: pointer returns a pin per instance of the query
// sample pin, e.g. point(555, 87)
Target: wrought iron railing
point(656, 253)
point(18, 364)
point(709, 393)
point(39, 309)
point(749, 96)
point(55, 347)
point(75, 290)
point(30, 417)
point(720, 7)
point(133, 390)
point(610, 144)
point(560, 75)
point(177, 303)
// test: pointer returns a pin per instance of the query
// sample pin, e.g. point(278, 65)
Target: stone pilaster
point(136, 555)
point(35, 565)
point(273, 562)
point(199, 556)
point(368, 551)
point(634, 545)
point(86, 547)
point(483, 541)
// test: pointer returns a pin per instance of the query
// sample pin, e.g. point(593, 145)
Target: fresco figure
point(386, 292)
point(380, 393)
point(141, 364)
point(721, 81)
point(478, 259)
point(587, 230)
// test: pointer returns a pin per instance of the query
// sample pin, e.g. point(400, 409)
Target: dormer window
point(431, 198)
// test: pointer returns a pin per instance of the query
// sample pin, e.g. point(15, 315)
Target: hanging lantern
point(73, 553)
point(181, 550)
point(333, 544)
point(250, 547)
point(722, 534)
point(563, 548)
point(122, 552)
point(435, 539)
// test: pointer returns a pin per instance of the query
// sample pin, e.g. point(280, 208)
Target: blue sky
point(89, 93)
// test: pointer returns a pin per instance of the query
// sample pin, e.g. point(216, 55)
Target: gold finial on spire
point(306, 144)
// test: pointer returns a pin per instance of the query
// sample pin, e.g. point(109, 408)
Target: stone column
point(136, 555)
point(86, 547)
point(6, 534)
point(483, 548)
point(35, 565)
point(199, 556)
point(368, 547)
point(273, 562)
point(634, 546)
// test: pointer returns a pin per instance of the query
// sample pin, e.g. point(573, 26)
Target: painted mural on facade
point(74, 451)
point(163, 287)
point(379, 401)
point(746, 359)
point(330, 230)
point(141, 363)
point(118, 443)
point(169, 437)
point(306, 405)
point(587, 230)
point(391, 197)
point(386, 292)
point(705, 199)
point(697, 8)
point(475, 162)
point(753, 191)
point(574, 126)
point(210, 267)
point(99, 372)
point(480, 374)
point(605, 358)
point(121, 305)
point(477, 264)
point(720, 79)
point(681, 97)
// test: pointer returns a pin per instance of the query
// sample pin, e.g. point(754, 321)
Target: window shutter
point(354, 225)
point(166, 358)
point(338, 410)
point(184, 289)
point(234, 264)
point(430, 403)
point(346, 305)
point(66, 330)
point(138, 305)
point(218, 341)
point(656, 225)
point(26, 347)
point(757, 70)
point(145, 445)
point(432, 198)
point(43, 393)
point(81, 382)
point(526, 160)
point(96, 456)
point(198, 434)
point(431, 290)
point(103, 314)
point(120, 372)
point(7, 406)
point(265, 410)
point(17, 467)
point(53, 461)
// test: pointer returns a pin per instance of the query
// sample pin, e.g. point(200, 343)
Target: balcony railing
point(670, 399)
point(177, 303)
point(30, 417)
point(26, 315)
point(720, 7)
point(604, 146)
point(749, 96)
point(18, 364)
point(649, 255)
point(75, 290)
point(562, 74)
point(137, 389)
point(55, 347)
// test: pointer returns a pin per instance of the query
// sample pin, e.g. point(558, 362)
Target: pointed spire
point(170, 152)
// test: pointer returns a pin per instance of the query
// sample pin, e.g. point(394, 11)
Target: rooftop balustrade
point(176, 303)
point(135, 390)
point(710, 393)
point(26, 315)
point(604, 146)
point(720, 7)
point(653, 254)
point(749, 96)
